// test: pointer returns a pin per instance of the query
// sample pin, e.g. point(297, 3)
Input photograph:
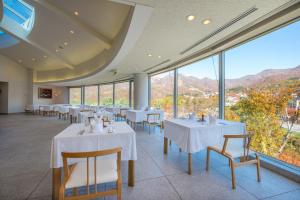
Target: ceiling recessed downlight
point(190, 17)
point(159, 56)
point(45, 56)
point(33, 59)
point(72, 32)
point(149, 55)
point(65, 43)
point(56, 50)
point(20, 61)
point(76, 13)
point(206, 21)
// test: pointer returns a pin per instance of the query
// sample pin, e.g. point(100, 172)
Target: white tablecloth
point(69, 140)
point(115, 110)
point(141, 115)
point(192, 136)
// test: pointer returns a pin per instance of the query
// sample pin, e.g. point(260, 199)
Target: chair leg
point(258, 169)
point(149, 129)
point(232, 174)
point(119, 191)
point(207, 158)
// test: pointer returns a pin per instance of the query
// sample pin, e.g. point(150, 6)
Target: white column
point(140, 90)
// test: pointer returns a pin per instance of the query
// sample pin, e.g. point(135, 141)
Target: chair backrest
point(123, 111)
point(245, 145)
point(153, 118)
point(67, 169)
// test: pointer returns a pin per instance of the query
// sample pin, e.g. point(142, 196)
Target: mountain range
point(192, 84)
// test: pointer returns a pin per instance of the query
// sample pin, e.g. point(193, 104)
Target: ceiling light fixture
point(33, 59)
point(190, 17)
point(65, 43)
point(206, 21)
point(56, 50)
point(20, 61)
point(45, 56)
point(159, 56)
point(72, 32)
point(76, 13)
point(149, 55)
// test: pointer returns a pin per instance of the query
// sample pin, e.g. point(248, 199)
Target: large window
point(75, 96)
point(263, 90)
point(162, 87)
point(198, 88)
point(132, 93)
point(91, 95)
point(122, 94)
point(106, 94)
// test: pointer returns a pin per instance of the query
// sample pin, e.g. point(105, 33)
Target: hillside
point(191, 84)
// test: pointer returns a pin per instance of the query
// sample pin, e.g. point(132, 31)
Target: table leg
point(131, 176)
point(190, 163)
point(165, 145)
point(56, 182)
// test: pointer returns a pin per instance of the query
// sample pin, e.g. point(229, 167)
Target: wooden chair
point(244, 159)
point(91, 171)
point(153, 119)
point(122, 114)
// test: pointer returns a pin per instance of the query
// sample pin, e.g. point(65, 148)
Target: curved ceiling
point(112, 40)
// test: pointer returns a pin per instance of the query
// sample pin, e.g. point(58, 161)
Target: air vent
point(228, 24)
point(150, 68)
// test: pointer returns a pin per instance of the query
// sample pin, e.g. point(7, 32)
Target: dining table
point(137, 116)
point(79, 138)
point(192, 136)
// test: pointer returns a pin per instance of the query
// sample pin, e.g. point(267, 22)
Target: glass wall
point(91, 95)
point(132, 93)
point(162, 86)
point(262, 89)
point(75, 96)
point(122, 94)
point(106, 94)
point(198, 88)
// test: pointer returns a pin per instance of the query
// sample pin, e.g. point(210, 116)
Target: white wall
point(18, 79)
point(59, 95)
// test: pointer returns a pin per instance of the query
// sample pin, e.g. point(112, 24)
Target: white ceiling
point(55, 19)
point(166, 34)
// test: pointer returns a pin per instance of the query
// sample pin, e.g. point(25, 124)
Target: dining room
point(149, 99)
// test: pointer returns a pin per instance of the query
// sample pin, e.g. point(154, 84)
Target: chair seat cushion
point(106, 171)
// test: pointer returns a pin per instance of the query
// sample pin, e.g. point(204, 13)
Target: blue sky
point(277, 50)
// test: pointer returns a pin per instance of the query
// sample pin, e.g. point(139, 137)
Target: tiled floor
point(25, 174)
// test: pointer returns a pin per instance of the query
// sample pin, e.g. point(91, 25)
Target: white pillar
point(140, 90)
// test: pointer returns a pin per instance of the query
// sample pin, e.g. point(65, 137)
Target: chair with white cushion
point(90, 171)
point(153, 119)
point(236, 150)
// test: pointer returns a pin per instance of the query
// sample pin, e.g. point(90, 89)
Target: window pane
point(162, 92)
point(106, 94)
point(75, 96)
point(198, 88)
point(122, 94)
point(132, 94)
point(91, 95)
point(262, 90)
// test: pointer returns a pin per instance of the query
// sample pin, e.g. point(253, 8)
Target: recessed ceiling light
point(159, 56)
point(33, 59)
point(206, 21)
point(72, 32)
point(56, 50)
point(149, 55)
point(65, 43)
point(76, 13)
point(45, 56)
point(19, 61)
point(190, 17)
